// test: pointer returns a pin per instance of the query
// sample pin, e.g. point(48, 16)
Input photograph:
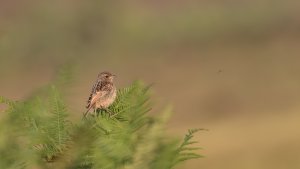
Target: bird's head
point(106, 76)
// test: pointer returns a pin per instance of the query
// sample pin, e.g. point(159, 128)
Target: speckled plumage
point(103, 92)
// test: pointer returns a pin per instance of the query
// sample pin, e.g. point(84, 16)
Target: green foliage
point(185, 151)
point(36, 133)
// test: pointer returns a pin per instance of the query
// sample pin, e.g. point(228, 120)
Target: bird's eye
point(106, 76)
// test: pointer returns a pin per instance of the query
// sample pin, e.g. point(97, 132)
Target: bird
point(103, 93)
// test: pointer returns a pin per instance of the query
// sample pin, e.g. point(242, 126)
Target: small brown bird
point(103, 93)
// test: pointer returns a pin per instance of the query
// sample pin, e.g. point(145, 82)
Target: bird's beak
point(114, 75)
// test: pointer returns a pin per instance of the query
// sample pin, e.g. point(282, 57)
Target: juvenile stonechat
point(103, 93)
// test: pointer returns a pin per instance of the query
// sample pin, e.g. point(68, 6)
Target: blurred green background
point(231, 66)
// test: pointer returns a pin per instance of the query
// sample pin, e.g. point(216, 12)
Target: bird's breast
point(107, 99)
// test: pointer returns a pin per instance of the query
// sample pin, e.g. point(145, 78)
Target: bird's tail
point(89, 108)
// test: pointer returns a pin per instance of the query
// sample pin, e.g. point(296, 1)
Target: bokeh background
point(230, 66)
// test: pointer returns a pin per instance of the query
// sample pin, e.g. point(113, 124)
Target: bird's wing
point(96, 97)
point(89, 101)
point(93, 101)
point(93, 92)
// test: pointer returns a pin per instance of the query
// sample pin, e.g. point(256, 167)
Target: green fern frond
point(58, 128)
point(50, 135)
point(131, 104)
point(185, 152)
point(145, 152)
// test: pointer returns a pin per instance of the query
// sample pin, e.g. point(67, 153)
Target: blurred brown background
point(231, 66)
